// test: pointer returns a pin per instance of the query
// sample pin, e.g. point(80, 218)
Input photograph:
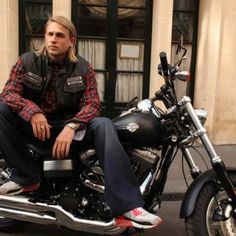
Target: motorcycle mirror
point(183, 75)
point(180, 48)
point(180, 44)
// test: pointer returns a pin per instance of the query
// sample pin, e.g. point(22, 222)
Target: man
point(49, 96)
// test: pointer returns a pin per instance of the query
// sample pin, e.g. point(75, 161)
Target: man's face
point(57, 41)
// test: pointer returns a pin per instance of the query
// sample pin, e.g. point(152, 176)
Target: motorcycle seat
point(43, 152)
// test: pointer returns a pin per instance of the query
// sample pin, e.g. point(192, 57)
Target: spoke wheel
point(202, 221)
point(227, 227)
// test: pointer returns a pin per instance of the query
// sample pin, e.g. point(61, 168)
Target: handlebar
point(164, 64)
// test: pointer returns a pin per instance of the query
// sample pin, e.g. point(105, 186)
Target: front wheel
point(205, 220)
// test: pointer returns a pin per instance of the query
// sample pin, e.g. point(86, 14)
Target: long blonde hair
point(68, 25)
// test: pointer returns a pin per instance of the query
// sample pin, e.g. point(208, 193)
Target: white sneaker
point(141, 218)
point(12, 188)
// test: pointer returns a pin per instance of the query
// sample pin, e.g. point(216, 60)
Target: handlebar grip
point(164, 63)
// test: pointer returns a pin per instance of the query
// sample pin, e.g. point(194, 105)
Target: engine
point(79, 187)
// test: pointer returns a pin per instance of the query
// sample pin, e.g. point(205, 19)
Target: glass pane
point(128, 86)
point(185, 5)
point(131, 23)
point(182, 24)
point(36, 17)
point(132, 3)
point(93, 2)
point(130, 56)
point(92, 21)
point(34, 43)
point(93, 51)
point(100, 78)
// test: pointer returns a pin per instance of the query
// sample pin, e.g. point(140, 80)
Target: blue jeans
point(121, 187)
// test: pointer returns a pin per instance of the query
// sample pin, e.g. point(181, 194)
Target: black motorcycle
point(72, 193)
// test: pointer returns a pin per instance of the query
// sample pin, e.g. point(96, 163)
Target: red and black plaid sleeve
point(12, 94)
point(90, 104)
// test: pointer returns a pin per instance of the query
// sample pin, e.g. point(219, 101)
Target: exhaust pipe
point(21, 208)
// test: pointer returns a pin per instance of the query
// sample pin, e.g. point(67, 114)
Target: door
point(115, 37)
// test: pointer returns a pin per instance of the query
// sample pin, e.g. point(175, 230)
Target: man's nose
point(53, 38)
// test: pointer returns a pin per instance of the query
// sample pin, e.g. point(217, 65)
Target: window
point(185, 17)
point(33, 16)
point(115, 37)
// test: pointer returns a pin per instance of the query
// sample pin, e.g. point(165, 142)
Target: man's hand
point(62, 143)
point(40, 126)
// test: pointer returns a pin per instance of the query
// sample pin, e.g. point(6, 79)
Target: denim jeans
point(121, 187)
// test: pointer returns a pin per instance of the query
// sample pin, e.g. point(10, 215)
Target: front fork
point(216, 161)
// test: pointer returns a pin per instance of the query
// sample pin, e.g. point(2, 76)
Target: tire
point(201, 222)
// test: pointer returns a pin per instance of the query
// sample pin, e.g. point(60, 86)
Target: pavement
point(176, 185)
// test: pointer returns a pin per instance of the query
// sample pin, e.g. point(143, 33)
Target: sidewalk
point(175, 185)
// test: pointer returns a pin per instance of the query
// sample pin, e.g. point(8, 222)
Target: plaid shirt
point(12, 95)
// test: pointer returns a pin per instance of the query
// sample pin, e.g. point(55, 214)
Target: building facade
point(133, 69)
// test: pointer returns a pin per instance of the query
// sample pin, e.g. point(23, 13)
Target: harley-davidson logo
point(132, 127)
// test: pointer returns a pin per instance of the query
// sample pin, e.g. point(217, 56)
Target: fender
point(190, 197)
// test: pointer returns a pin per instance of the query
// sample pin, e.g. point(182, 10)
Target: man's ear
point(72, 40)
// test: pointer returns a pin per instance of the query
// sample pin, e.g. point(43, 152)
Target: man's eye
point(59, 35)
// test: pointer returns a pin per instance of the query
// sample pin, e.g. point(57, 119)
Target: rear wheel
point(205, 218)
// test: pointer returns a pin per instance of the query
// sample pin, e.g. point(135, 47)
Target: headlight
point(202, 115)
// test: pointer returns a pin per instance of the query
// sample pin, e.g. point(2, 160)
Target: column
point(161, 39)
point(62, 7)
point(9, 39)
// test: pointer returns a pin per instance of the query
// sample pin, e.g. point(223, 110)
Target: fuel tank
point(139, 128)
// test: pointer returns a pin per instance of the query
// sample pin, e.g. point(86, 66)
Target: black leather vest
point(70, 82)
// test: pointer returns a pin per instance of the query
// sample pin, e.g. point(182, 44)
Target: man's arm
point(12, 94)
point(90, 104)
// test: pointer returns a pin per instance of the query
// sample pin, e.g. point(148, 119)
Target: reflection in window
point(182, 25)
point(131, 3)
point(184, 5)
point(94, 2)
point(91, 20)
point(36, 17)
point(33, 16)
point(131, 23)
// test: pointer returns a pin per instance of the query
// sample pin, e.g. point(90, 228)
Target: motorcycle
point(72, 193)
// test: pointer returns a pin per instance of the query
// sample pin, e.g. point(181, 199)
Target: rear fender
point(190, 197)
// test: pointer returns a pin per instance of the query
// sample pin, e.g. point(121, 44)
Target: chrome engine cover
point(58, 168)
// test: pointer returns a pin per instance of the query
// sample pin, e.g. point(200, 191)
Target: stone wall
point(216, 70)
